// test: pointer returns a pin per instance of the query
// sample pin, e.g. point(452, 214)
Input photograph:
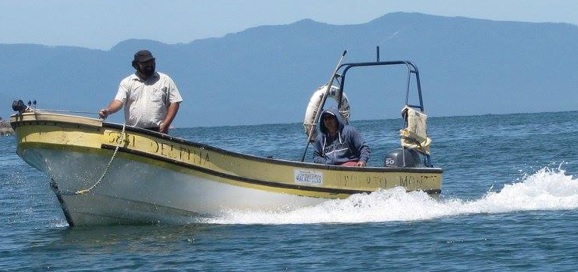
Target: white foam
point(547, 189)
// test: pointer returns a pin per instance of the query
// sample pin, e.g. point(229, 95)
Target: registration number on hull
point(308, 177)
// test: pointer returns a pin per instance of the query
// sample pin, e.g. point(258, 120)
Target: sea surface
point(509, 202)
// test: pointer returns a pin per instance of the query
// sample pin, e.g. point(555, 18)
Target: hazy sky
point(101, 24)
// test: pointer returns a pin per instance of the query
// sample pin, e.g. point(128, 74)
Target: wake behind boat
point(107, 173)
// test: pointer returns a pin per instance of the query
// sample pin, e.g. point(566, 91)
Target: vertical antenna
point(377, 52)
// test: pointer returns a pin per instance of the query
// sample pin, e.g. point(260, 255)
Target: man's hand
point(103, 113)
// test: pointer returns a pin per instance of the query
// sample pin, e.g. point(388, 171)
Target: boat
point(106, 173)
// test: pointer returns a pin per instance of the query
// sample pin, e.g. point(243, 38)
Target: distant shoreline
point(5, 128)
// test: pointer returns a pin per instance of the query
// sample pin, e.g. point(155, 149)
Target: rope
point(120, 140)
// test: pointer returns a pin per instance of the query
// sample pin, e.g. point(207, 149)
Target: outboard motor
point(402, 157)
point(18, 105)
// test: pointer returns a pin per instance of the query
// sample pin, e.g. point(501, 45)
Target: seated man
point(338, 143)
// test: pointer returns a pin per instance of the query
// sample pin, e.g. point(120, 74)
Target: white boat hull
point(138, 192)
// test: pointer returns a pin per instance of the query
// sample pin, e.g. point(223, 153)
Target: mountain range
point(266, 74)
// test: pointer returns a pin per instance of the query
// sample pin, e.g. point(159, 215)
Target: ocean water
point(509, 203)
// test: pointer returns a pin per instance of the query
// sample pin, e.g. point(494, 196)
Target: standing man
point(151, 100)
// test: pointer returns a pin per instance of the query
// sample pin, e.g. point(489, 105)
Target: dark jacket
point(349, 145)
